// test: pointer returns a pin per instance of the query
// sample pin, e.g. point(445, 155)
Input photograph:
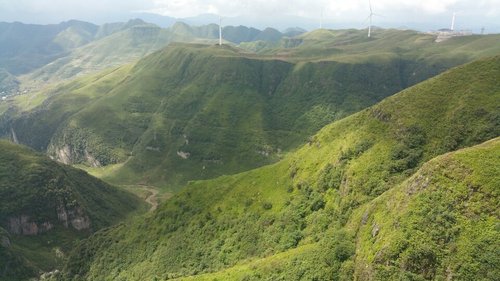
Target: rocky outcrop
point(91, 160)
point(64, 155)
point(73, 217)
point(67, 155)
point(183, 154)
point(23, 225)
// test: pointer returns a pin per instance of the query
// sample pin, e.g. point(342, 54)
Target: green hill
point(435, 225)
point(357, 200)
point(45, 207)
point(196, 111)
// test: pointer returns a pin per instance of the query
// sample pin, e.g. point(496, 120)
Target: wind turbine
point(220, 30)
point(370, 18)
point(453, 22)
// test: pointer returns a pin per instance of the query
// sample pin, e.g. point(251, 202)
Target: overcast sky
point(417, 14)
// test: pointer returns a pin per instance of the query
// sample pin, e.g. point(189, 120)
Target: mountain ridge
point(283, 101)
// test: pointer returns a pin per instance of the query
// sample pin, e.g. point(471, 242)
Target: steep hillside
point(45, 207)
point(442, 223)
point(435, 226)
point(318, 214)
point(12, 266)
point(197, 111)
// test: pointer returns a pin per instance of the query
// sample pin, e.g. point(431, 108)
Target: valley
point(134, 152)
point(179, 115)
point(321, 197)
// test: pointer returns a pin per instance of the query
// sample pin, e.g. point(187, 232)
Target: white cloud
point(263, 12)
point(183, 8)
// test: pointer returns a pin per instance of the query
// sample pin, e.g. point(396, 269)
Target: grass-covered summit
point(364, 199)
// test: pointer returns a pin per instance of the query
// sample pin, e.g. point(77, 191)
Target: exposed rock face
point(91, 160)
point(183, 155)
point(22, 225)
point(69, 155)
point(63, 155)
point(73, 217)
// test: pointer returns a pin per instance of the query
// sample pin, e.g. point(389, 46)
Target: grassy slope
point(348, 45)
point(307, 198)
point(35, 186)
point(440, 223)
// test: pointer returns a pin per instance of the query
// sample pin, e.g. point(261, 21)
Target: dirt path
point(152, 199)
point(149, 194)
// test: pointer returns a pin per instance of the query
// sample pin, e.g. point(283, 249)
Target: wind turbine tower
point(453, 22)
point(220, 31)
point(370, 19)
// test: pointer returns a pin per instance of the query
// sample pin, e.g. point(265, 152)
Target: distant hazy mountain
point(53, 53)
point(25, 47)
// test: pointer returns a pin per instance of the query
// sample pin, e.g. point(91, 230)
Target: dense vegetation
point(36, 188)
point(194, 112)
point(356, 201)
point(12, 266)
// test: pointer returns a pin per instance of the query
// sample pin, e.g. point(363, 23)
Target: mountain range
point(51, 53)
point(191, 112)
point(322, 155)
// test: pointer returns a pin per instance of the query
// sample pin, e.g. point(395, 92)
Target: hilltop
point(363, 199)
point(45, 207)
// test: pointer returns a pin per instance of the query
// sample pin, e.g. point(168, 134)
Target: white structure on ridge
point(220, 31)
point(370, 18)
point(452, 28)
point(445, 33)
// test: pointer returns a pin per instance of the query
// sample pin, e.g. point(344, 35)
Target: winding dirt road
point(152, 199)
